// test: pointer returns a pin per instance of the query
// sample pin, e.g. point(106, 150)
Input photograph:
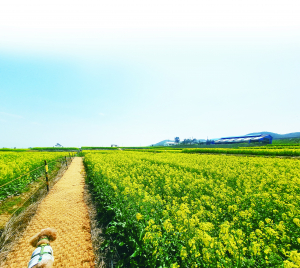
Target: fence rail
point(64, 162)
point(57, 160)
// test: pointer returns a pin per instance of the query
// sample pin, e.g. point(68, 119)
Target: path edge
point(17, 225)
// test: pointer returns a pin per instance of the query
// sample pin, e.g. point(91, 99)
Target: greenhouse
point(245, 139)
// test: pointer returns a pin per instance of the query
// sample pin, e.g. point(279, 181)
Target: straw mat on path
point(64, 210)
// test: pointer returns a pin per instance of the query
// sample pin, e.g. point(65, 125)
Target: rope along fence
point(46, 168)
point(35, 196)
point(62, 160)
point(20, 217)
point(31, 197)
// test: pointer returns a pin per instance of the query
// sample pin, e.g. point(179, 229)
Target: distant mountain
point(274, 135)
point(161, 143)
point(279, 136)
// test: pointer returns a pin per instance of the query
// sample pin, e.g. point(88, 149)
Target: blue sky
point(97, 73)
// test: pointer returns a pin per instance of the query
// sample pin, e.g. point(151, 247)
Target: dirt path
point(63, 209)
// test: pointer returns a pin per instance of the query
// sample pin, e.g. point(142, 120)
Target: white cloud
point(69, 24)
point(78, 15)
point(102, 114)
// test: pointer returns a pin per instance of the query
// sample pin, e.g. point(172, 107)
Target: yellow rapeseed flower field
point(187, 210)
point(14, 164)
point(272, 151)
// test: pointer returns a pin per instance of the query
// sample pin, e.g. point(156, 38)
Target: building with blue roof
point(257, 138)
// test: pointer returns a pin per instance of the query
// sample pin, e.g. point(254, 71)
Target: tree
point(187, 141)
point(177, 140)
point(209, 142)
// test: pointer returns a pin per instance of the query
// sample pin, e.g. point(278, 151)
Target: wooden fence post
point(66, 161)
point(47, 179)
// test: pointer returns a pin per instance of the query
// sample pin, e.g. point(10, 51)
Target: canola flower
point(272, 151)
point(14, 164)
point(204, 210)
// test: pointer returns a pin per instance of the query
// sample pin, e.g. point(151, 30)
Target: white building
point(58, 145)
point(170, 143)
